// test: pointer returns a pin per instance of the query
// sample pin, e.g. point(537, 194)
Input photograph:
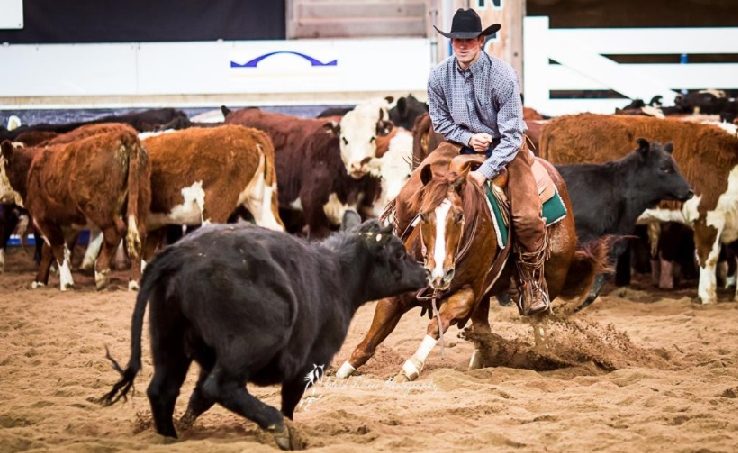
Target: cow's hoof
point(87, 264)
point(345, 371)
point(101, 279)
point(133, 285)
point(186, 422)
point(36, 285)
point(66, 287)
point(287, 436)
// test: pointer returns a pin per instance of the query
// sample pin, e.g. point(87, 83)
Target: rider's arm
point(511, 126)
point(443, 123)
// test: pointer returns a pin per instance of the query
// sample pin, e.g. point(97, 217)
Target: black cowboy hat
point(468, 25)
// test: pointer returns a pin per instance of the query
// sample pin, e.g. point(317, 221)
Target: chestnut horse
point(457, 242)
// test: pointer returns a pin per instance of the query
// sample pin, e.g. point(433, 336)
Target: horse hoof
point(411, 369)
point(345, 371)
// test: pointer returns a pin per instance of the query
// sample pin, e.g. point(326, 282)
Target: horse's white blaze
point(439, 249)
point(190, 212)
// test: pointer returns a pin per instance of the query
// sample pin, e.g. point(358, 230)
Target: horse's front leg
point(480, 324)
point(458, 306)
point(386, 316)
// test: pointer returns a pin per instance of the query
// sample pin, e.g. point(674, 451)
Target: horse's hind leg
point(387, 314)
point(456, 307)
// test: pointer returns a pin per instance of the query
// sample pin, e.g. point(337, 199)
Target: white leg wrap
point(345, 371)
point(412, 367)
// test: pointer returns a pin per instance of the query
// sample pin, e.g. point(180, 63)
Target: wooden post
point(508, 44)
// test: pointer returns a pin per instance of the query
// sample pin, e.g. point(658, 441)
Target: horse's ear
point(225, 110)
point(462, 165)
point(426, 174)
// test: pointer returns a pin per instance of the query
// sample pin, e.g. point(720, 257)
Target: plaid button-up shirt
point(483, 98)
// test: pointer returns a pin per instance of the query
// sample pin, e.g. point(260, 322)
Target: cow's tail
point(139, 196)
point(127, 376)
point(589, 261)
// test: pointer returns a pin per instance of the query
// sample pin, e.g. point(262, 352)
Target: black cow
point(144, 121)
point(253, 305)
point(608, 198)
point(406, 111)
point(335, 111)
point(9, 217)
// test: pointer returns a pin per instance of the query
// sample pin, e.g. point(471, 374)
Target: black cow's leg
point(594, 291)
point(292, 393)
point(198, 404)
point(229, 390)
point(622, 271)
point(170, 367)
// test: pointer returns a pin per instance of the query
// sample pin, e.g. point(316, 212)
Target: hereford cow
point(311, 176)
point(706, 154)
point(201, 175)
point(358, 131)
point(608, 198)
point(85, 178)
point(253, 305)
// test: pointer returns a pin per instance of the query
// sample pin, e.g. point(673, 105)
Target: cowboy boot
point(532, 287)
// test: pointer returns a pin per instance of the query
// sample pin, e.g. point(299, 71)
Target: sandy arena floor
point(637, 371)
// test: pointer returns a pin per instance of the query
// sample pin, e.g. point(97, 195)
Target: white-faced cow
point(311, 176)
point(253, 305)
point(96, 176)
point(358, 131)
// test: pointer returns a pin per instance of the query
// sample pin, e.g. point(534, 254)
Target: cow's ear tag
point(378, 237)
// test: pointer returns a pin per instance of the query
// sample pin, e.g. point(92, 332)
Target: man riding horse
point(475, 101)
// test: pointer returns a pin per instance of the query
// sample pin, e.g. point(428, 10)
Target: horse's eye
point(459, 217)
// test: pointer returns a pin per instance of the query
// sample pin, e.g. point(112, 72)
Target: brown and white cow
point(82, 179)
point(707, 155)
point(311, 176)
point(358, 132)
point(202, 175)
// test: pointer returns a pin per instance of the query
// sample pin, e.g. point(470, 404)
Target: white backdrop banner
point(202, 68)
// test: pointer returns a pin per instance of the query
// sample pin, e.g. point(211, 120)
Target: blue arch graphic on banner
point(253, 63)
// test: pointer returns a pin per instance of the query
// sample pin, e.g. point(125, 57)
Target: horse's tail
point(589, 260)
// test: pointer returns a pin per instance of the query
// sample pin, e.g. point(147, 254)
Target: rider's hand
point(480, 142)
point(478, 178)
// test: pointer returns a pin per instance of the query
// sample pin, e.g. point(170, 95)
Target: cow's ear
point(669, 147)
point(401, 105)
point(643, 146)
point(384, 127)
point(332, 127)
point(225, 110)
point(7, 149)
point(350, 220)
point(389, 99)
point(426, 174)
